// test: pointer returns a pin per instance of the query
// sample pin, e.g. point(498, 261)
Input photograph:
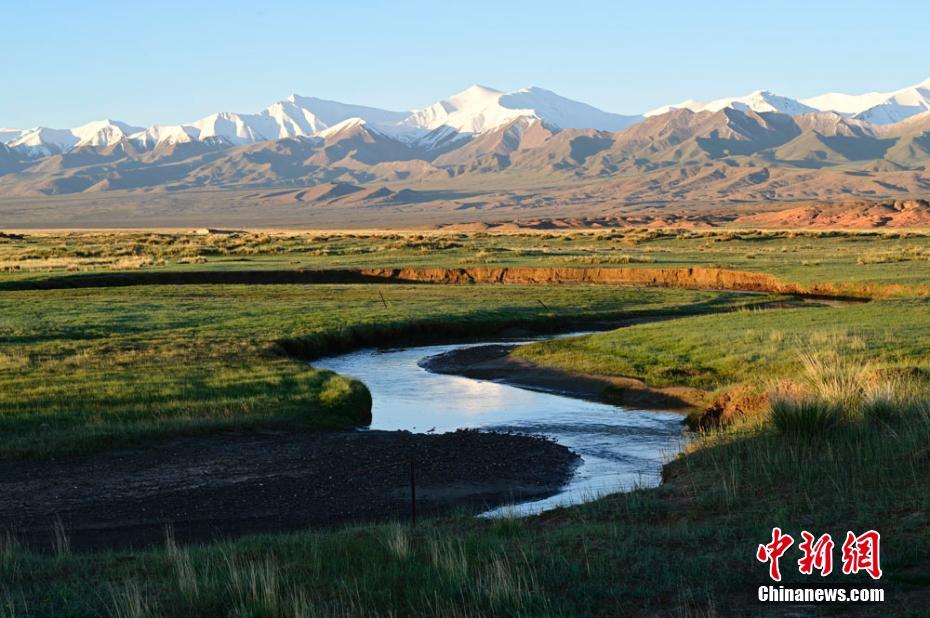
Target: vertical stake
point(384, 302)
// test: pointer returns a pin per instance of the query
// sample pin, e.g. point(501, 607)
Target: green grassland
point(89, 367)
point(897, 259)
point(686, 548)
point(751, 346)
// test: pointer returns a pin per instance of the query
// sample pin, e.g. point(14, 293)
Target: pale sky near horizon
point(65, 63)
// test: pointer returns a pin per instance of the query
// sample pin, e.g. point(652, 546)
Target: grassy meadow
point(683, 549)
point(93, 367)
point(842, 444)
point(752, 346)
point(893, 262)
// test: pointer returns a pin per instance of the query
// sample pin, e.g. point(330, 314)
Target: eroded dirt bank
point(694, 278)
point(235, 484)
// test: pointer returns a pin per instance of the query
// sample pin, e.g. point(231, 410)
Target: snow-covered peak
point(845, 103)
point(8, 135)
point(295, 116)
point(474, 110)
point(877, 107)
point(479, 109)
point(565, 113)
point(164, 134)
point(346, 125)
point(330, 113)
point(43, 141)
point(759, 101)
point(691, 104)
point(102, 133)
point(237, 128)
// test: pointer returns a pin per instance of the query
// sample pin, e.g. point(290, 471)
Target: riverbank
point(495, 362)
point(87, 369)
point(230, 485)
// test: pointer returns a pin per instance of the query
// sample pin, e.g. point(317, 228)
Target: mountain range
point(530, 147)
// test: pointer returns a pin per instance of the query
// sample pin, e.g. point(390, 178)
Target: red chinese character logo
point(860, 553)
point(773, 551)
point(817, 555)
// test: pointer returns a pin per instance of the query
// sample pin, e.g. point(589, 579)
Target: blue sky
point(65, 63)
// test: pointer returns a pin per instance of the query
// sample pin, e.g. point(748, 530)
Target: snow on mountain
point(8, 135)
point(758, 101)
point(295, 116)
point(474, 111)
point(691, 104)
point(339, 127)
point(849, 104)
point(330, 113)
point(102, 133)
point(237, 129)
point(565, 113)
point(43, 141)
point(480, 109)
point(877, 107)
point(164, 134)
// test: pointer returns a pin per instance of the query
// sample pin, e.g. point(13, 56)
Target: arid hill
point(688, 167)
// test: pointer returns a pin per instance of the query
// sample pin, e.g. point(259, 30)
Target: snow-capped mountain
point(8, 135)
point(160, 134)
point(758, 101)
point(295, 116)
point(473, 111)
point(877, 107)
point(321, 113)
point(445, 124)
point(42, 141)
point(480, 109)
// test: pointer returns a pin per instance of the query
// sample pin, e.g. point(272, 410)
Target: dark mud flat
point(234, 484)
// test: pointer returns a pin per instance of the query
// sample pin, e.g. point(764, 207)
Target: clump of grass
point(837, 387)
point(10, 551)
point(612, 259)
point(129, 601)
point(183, 564)
point(62, 540)
point(805, 416)
point(881, 258)
point(834, 377)
point(398, 541)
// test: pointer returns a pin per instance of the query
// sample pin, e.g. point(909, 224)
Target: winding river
point(620, 448)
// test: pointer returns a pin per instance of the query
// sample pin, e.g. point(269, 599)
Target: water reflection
point(620, 449)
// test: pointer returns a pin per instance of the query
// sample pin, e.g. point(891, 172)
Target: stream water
point(620, 448)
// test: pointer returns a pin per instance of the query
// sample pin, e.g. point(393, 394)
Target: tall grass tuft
point(836, 378)
point(805, 416)
point(183, 564)
point(129, 601)
point(62, 541)
point(257, 588)
point(838, 387)
point(398, 541)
